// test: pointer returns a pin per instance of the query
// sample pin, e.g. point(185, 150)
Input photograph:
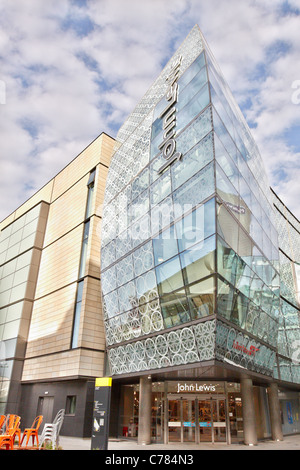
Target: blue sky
point(75, 68)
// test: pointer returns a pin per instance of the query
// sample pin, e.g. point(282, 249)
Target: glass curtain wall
point(189, 249)
point(289, 320)
point(247, 245)
point(158, 269)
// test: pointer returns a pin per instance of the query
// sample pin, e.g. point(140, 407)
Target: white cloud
point(64, 87)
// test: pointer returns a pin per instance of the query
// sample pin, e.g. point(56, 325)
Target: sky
point(72, 69)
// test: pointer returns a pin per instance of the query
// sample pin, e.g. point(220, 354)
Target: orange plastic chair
point(33, 431)
point(10, 423)
point(8, 439)
point(2, 421)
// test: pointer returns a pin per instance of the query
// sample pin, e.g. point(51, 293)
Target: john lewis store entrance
point(200, 412)
point(185, 412)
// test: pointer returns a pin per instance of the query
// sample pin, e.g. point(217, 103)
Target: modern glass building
point(192, 307)
point(198, 311)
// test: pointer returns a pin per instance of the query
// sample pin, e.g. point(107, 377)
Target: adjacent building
point(163, 260)
point(51, 327)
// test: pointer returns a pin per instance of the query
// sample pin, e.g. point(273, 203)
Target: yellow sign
point(104, 382)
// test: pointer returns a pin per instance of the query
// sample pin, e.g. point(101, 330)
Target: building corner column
point(249, 421)
point(145, 396)
point(274, 409)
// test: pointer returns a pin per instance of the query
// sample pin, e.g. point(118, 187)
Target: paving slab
point(73, 443)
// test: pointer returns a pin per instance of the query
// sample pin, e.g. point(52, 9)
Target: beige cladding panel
point(67, 211)
point(98, 151)
point(91, 331)
point(107, 149)
point(91, 363)
point(44, 194)
point(63, 365)
point(60, 263)
point(100, 189)
point(51, 322)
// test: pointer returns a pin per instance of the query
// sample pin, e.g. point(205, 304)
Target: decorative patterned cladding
point(236, 348)
point(183, 346)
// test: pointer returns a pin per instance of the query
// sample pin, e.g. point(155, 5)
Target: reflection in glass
point(169, 276)
point(199, 261)
point(226, 258)
point(239, 311)
point(127, 297)
point(224, 136)
point(196, 226)
point(165, 245)
point(111, 304)
point(192, 109)
point(146, 286)
point(219, 106)
point(225, 297)
point(194, 191)
point(162, 215)
point(175, 309)
point(189, 92)
point(140, 183)
point(198, 129)
point(226, 163)
point(227, 227)
point(161, 188)
point(227, 192)
point(201, 298)
point(193, 70)
point(192, 162)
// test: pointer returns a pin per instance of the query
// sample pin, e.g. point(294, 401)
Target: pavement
point(74, 443)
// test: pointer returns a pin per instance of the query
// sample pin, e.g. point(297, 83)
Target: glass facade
point(178, 406)
point(289, 320)
point(189, 257)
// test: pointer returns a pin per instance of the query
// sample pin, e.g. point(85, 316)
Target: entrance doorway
point(185, 413)
point(45, 408)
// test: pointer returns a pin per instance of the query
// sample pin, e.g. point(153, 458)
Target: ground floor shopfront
point(200, 411)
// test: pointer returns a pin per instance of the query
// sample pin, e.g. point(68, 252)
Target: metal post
point(249, 421)
point(166, 415)
point(144, 434)
point(181, 420)
point(274, 408)
point(228, 431)
point(197, 430)
point(212, 422)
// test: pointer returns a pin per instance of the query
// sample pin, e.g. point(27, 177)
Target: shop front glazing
point(177, 407)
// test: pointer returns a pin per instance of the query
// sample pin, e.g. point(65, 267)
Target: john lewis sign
point(168, 145)
point(195, 388)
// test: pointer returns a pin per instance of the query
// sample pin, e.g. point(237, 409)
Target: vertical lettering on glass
point(168, 145)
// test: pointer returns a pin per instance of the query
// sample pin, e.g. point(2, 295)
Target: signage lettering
point(195, 388)
point(240, 347)
point(168, 145)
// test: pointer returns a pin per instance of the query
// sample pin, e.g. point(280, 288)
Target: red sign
point(240, 347)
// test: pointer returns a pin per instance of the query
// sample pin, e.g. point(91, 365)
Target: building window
point(76, 323)
point(84, 248)
point(90, 185)
point(71, 405)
